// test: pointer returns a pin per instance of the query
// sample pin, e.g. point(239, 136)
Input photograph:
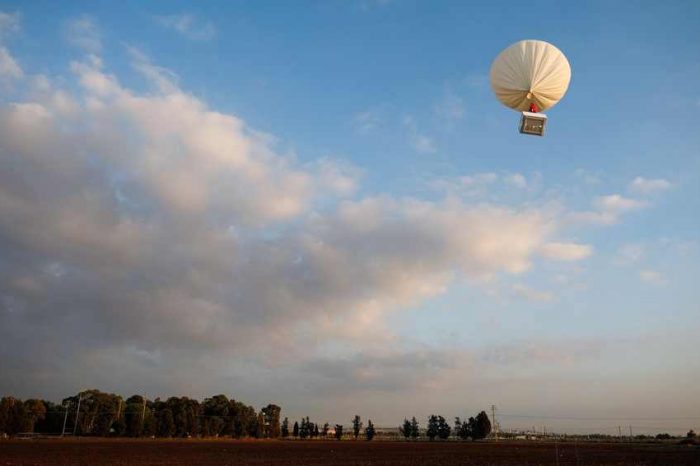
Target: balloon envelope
point(530, 71)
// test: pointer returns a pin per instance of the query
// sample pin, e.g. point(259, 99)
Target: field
point(312, 453)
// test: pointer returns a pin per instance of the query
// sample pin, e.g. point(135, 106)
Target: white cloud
point(652, 276)
point(9, 69)
point(367, 121)
point(649, 186)
point(9, 23)
point(451, 107)
point(587, 176)
point(172, 232)
point(616, 203)
point(161, 185)
point(84, 33)
point(531, 294)
point(628, 254)
point(421, 143)
point(608, 210)
point(565, 251)
point(189, 26)
point(516, 180)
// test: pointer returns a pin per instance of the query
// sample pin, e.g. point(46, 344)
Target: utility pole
point(143, 415)
point(77, 412)
point(495, 424)
point(65, 419)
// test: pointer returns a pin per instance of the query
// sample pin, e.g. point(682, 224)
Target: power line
point(532, 416)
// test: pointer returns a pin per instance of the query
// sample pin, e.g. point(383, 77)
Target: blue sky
point(332, 175)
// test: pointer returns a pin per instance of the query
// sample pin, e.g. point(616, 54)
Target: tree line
point(475, 428)
point(92, 412)
point(96, 413)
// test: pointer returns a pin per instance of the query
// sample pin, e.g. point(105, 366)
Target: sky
point(322, 204)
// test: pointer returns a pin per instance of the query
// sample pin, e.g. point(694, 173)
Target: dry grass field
point(315, 453)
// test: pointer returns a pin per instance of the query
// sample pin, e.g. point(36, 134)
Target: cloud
point(9, 23)
point(420, 142)
point(531, 294)
point(616, 203)
point(9, 69)
point(149, 224)
point(367, 121)
point(84, 33)
point(450, 108)
point(608, 210)
point(516, 180)
point(629, 254)
point(188, 26)
point(565, 251)
point(652, 276)
point(649, 186)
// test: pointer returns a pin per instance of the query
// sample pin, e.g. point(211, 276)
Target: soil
point(236, 452)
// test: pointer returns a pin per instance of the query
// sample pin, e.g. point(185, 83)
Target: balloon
point(530, 72)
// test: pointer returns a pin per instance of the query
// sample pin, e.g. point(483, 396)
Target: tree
point(285, 428)
point(691, 434)
point(98, 412)
point(463, 429)
point(165, 425)
point(405, 429)
point(444, 429)
point(36, 412)
point(316, 433)
point(214, 412)
point(14, 418)
point(415, 428)
point(369, 431)
point(356, 426)
point(304, 428)
point(338, 431)
point(482, 426)
point(326, 428)
point(271, 420)
point(52, 423)
point(296, 429)
point(432, 427)
point(134, 416)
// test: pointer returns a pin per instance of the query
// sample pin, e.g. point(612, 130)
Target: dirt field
point(230, 452)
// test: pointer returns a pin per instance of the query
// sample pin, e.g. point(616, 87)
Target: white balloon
point(530, 71)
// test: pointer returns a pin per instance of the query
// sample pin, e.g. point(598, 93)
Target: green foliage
point(369, 431)
point(296, 429)
point(432, 431)
point(482, 427)
point(271, 421)
point(691, 434)
point(14, 417)
point(356, 426)
point(415, 428)
point(405, 429)
point(444, 429)
point(464, 429)
point(285, 428)
point(338, 431)
point(305, 428)
point(92, 412)
point(36, 411)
